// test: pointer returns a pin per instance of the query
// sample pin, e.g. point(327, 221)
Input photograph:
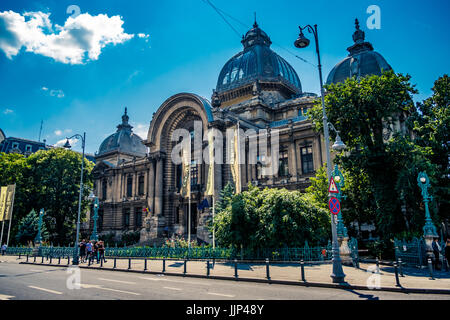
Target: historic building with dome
point(256, 88)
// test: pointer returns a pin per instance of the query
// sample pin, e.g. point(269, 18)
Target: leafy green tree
point(381, 161)
point(271, 218)
point(28, 228)
point(431, 125)
point(319, 187)
point(55, 177)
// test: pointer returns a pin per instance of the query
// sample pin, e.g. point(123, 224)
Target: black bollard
point(129, 263)
point(400, 265)
point(267, 269)
point(68, 260)
point(101, 262)
point(27, 258)
point(50, 259)
point(207, 268)
point(42, 259)
point(59, 260)
point(115, 261)
point(184, 271)
point(302, 265)
point(164, 265)
point(20, 256)
point(145, 264)
point(235, 269)
point(430, 269)
point(34, 261)
point(397, 280)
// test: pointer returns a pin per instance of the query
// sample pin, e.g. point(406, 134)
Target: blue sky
point(167, 47)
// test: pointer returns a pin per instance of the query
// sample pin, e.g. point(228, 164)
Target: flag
point(3, 193)
point(186, 186)
point(210, 184)
point(9, 202)
point(235, 169)
point(204, 204)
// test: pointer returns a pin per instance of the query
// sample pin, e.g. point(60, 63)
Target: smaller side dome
point(123, 141)
point(361, 61)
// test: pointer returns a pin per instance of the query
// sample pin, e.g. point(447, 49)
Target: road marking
point(170, 288)
point(119, 281)
point(46, 290)
point(34, 270)
point(177, 281)
point(5, 297)
point(96, 286)
point(222, 295)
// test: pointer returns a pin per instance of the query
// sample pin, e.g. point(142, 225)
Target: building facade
point(256, 90)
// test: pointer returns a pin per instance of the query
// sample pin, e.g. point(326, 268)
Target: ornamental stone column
point(159, 187)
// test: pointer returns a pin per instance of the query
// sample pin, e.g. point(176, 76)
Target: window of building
point(141, 185)
point(28, 148)
point(177, 215)
point(130, 186)
point(15, 145)
point(179, 176)
point(126, 217)
point(100, 220)
point(104, 189)
point(307, 159)
point(138, 217)
point(283, 169)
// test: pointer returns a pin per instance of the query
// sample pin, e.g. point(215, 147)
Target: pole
point(189, 218)
point(239, 156)
point(214, 229)
point(337, 274)
point(75, 258)
point(10, 218)
point(1, 238)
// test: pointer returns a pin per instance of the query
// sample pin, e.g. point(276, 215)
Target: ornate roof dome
point(361, 61)
point(124, 141)
point(257, 62)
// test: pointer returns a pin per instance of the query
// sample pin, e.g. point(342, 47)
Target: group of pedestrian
point(90, 250)
point(437, 250)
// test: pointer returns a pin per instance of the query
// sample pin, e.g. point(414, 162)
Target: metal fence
point(414, 252)
point(306, 253)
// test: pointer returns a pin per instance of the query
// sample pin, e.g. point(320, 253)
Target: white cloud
point(53, 92)
point(73, 142)
point(81, 39)
point(59, 132)
point(8, 111)
point(141, 130)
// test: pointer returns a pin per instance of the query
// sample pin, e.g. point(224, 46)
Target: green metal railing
point(306, 253)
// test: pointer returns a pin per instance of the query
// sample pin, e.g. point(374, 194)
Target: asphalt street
point(31, 282)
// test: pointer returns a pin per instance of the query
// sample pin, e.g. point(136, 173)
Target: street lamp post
point(429, 229)
point(94, 235)
point(302, 42)
point(67, 146)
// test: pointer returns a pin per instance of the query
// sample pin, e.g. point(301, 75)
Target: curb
point(256, 280)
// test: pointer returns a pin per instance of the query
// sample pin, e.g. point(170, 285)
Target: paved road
point(30, 282)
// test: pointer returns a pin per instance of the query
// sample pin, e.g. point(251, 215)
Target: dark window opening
point(283, 169)
point(307, 160)
point(141, 185)
point(130, 187)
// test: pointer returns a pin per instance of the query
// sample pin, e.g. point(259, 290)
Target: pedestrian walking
point(89, 248)
point(101, 251)
point(436, 251)
point(447, 252)
point(4, 247)
point(95, 252)
point(83, 251)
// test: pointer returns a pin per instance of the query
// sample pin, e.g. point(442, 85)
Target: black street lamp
point(302, 42)
point(68, 146)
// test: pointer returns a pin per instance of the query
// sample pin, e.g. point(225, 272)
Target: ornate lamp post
point(94, 235)
point(429, 230)
point(302, 42)
point(67, 146)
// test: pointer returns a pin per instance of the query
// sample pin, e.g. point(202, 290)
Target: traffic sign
point(333, 188)
point(334, 205)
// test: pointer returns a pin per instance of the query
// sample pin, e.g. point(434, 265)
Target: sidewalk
point(414, 280)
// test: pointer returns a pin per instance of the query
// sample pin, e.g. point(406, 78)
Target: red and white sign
point(333, 188)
